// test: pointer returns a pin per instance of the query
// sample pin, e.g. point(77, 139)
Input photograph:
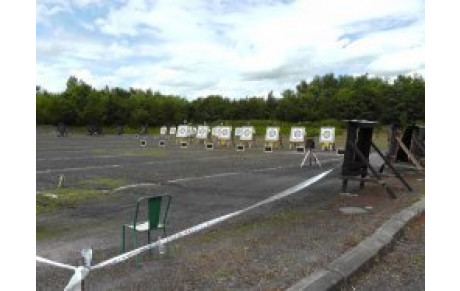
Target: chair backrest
point(154, 206)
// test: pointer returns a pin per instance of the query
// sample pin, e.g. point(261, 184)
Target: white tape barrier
point(53, 263)
point(82, 272)
point(210, 223)
point(75, 282)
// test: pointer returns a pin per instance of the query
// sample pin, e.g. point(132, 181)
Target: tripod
point(313, 155)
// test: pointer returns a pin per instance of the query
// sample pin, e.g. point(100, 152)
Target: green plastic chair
point(156, 220)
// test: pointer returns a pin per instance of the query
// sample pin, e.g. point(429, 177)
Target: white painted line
point(134, 186)
point(209, 223)
point(203, 177)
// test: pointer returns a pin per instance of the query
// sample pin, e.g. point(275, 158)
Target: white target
point(163, 130)
point(247, 133)
point(225, 133)
point(202, 132)
point(272, 134)
point(297, 134)
point(172, 130)
point(182, 131)
point(238, 131)
point(214, 131)
point(327, 134)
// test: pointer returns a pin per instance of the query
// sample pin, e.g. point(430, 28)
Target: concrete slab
point(352, 210)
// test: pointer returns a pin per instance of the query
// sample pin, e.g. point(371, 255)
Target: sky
point(195, 48)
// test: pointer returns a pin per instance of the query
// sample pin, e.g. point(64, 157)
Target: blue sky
point(233, 48)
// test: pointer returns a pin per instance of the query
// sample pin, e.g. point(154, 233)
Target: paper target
point(272, 134)
point(172, 130)
point(327, 134)
point(214, 131)
point(225, 133)
point(163, 130)
point(297, 134)
point(202, 132)
point(238, 131)
point(246, 133)
point(182, 131)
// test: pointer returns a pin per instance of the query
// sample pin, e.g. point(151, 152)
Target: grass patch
point(43, 232)
point(66, 198)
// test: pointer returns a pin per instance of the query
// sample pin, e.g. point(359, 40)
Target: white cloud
point(239, 48)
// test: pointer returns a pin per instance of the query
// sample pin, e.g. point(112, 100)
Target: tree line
point(324, 97)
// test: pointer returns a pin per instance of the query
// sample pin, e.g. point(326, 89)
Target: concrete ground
point(403, 268)
point(269, 248)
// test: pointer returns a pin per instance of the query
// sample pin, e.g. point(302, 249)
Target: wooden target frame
point(225, 133)
point(182, 131)
point(298, 134)
point(163, 130)
point(215, 131)
point(272, 134)
point(172, 130)
point(202, 132)
point(327, 135)
point(247, 133)
point(238, 131)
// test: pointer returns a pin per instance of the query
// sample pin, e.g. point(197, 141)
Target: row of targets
point(244, 137)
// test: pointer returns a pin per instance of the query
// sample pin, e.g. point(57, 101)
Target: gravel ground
point(269, 248)
point(401, 269)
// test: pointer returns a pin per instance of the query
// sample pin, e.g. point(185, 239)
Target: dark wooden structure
point(356, 157)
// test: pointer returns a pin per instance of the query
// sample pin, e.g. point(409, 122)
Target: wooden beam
point(409, 154)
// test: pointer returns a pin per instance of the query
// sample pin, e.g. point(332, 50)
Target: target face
point(202, 132)
point(225, 133)
point(297, 134)
point(327, 134)
point(163, 130)
point(172, 130)
point(272, 134)
point(214, 131)
point(238, 131)
point(246, 133)
point(182, 131)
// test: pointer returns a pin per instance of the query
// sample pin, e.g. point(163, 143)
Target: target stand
point(268, 148)
point(356, 157)
point(310, 153)
point(143, 143)
point(209, 146)
point(240, 148)
point(183, 144)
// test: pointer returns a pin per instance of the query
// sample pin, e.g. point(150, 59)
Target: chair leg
point(135, 246)
point(148, 241)
point(123, 239)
